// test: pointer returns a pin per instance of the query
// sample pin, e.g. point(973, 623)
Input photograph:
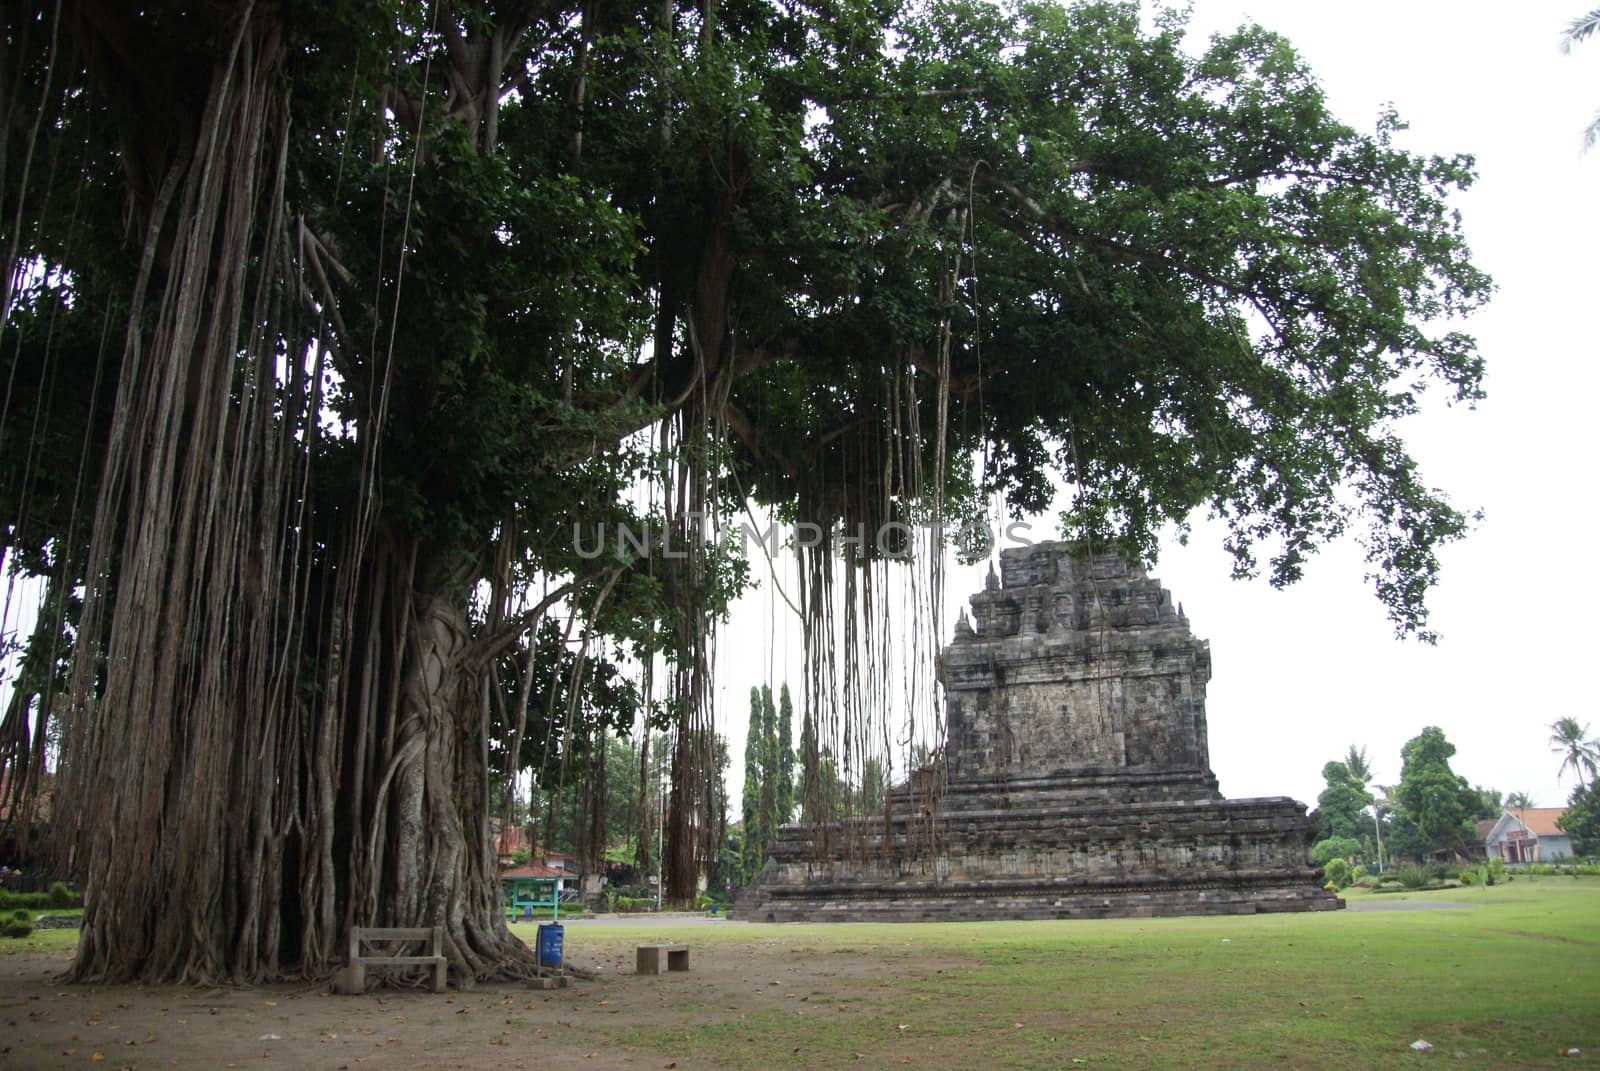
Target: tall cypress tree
point(752, 854)
point(770, 773)
point(785, 755)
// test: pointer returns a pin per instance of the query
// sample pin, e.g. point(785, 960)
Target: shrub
point(61, 896)
point(21, 915)
point(1334, 848)
point(16, 928)
point(1358, 874)
point(1494, 871)
point(1467, 877)
point(1337, 872)
point(10, 901)
point(1412, 876)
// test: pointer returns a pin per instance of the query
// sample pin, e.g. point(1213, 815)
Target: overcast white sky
point(1299, 675)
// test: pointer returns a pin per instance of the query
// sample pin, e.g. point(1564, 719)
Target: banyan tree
point(336, 337)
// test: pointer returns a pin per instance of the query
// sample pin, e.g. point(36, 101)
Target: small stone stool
point(647, 958)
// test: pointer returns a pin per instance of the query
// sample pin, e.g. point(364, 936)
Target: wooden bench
point(353, 978)
point(647, 958)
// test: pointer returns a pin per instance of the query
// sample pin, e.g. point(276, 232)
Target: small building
point(532, 889)
point(560, 861)
point(1529, 835)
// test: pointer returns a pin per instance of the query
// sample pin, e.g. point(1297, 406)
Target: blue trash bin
point(549, 944)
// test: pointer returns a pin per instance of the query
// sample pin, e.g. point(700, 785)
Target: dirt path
point(48, 1025)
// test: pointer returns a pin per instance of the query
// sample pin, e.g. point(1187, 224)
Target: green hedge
point(58, 897)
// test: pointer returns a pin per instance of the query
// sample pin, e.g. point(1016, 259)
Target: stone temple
point(1077, 779)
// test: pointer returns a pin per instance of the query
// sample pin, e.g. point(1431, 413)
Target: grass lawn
point(1510, 979)
point(41, 940)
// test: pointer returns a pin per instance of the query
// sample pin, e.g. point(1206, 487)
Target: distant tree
point(1438, 801)
point(1355, 761)
point(1518, 801)
point(1491, 802)
point(1579, 28)
point(768, 797)
point(811, 795)
point(1403, 839)
point(770, 818)
point(1342, 802)
point(729, 870)
point(750, 797)
point(785, 754)
point(1582, 819)
point(1578, 750)
point(874, 785)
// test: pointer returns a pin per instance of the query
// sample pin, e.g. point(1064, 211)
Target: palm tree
point(1579, 28)
point(1577, 750)
point(1383, 803)
point(1360, 768)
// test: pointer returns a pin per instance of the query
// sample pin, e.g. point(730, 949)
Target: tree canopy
point(342, 326)
point(1441, 804)
point(1342, 802)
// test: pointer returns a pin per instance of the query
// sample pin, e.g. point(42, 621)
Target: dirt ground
point(45, 1024)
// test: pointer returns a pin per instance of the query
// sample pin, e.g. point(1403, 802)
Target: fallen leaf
point(98, 1056)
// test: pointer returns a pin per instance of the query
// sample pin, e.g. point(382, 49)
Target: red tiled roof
point(533, 870)
point(1541, 821)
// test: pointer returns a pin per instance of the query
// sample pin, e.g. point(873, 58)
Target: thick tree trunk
point(431, 832)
